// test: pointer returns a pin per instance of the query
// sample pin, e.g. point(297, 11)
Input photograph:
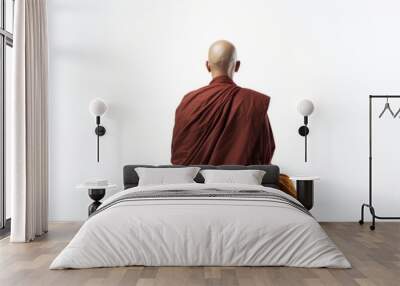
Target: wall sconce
point(97, 107)
point(305, 108)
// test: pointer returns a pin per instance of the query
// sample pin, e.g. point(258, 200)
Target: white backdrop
point(143, 56)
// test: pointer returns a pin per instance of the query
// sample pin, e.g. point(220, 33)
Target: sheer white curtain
point(28, 123)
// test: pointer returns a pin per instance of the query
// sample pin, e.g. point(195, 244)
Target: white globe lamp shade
point(305, 107)
point(97, 107)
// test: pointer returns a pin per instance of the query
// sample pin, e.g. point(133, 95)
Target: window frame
point(6, 39)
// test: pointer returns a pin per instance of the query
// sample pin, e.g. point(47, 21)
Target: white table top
point(304, 178)
point(86, 187)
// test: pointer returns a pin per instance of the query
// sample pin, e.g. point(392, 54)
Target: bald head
point(222, 59)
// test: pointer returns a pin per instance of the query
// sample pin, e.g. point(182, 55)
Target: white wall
point(143, 56)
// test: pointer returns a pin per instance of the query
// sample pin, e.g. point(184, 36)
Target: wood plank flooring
point(375, 257)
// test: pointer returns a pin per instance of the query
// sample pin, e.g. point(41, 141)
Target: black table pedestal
point(96, 195)
point(305, 193)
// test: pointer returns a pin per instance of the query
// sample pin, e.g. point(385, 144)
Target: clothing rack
point(370, 205)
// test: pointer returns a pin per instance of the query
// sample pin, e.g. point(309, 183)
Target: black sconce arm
point(100, 131)
point(304, 131)
point(305, 108)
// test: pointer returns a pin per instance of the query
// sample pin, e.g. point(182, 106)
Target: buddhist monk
point(222, 123)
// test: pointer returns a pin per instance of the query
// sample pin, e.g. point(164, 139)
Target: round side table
point(96, 193)
point(305, 190)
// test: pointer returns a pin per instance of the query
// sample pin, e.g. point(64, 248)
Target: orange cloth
point(286, 185)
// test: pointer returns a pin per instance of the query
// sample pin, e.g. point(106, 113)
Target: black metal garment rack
point(370, 205)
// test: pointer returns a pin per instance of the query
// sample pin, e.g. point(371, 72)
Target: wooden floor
point(375, 257)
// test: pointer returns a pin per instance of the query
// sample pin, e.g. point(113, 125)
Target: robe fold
point(222, 124)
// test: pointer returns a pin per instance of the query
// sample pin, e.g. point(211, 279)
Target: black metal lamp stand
point(304, 131)
point(370, 205)
point(100, 131)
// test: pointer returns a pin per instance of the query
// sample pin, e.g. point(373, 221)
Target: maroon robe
point(222, 124)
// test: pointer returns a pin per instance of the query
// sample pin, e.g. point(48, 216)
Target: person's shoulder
point(255, 94)
point(194, 93)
